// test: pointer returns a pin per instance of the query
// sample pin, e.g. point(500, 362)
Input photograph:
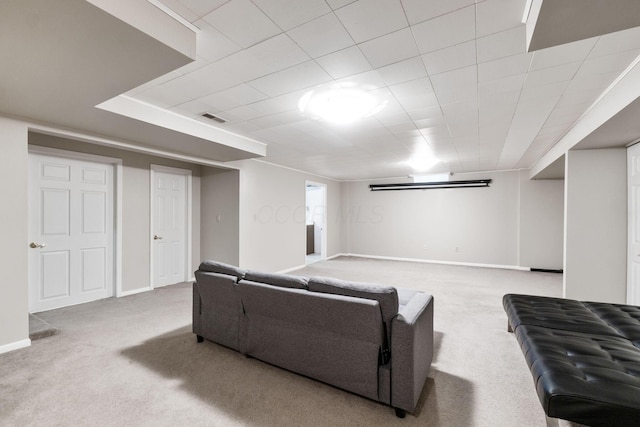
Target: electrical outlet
point(458, 249)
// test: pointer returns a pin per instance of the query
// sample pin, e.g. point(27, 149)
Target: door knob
point(155, 237)
point(35, 245)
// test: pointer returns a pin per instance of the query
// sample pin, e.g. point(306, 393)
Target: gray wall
point(220, 213)
point(136, 202)
point(541, 222)
point(14, 318)
point(596, 225)
point(272, 216)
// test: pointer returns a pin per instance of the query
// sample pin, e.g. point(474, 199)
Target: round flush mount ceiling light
point(340, 105)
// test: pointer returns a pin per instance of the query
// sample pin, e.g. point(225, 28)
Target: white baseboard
point(15, 346)
point(134, 291)
point(430, 261)
point(288, 270)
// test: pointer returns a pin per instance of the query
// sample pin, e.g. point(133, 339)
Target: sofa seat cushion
point(282, 280)
point(554, 313)
point(387, 296)
point(587, 379)
point(222, 268)
point(625, 319)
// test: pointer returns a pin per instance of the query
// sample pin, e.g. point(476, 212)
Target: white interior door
point(169, 225)
point(633, 202)
point(71, 226)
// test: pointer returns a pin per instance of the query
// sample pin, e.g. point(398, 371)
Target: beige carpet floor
point(133, 361)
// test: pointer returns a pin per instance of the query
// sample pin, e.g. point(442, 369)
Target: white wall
point(136, 241)
point(470, 225)
point(596, 225)
point(515, 222)
point(14, 317)
point(272, 216)
point(220, 215)
point(541, 222)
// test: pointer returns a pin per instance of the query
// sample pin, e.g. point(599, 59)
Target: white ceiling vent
point(214, 118)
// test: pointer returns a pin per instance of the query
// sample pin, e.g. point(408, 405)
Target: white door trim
point(117, 232)
point(189, 225)
point(323, 232)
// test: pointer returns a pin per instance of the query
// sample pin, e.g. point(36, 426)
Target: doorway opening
point(316, 222)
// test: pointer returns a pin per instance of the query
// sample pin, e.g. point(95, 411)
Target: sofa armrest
point(411, 351)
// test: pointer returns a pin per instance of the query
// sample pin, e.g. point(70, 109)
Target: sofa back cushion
point(222, 268)
point(282, 280)
point(332, 338)
point(387, 296)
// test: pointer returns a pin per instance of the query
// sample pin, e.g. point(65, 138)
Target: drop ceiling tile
point(368, 79)
point(288, 14)
point(606, 64)
point(505, 43)
point(174, 92)
point(390, 48)
point(457, 85)
point(403, 71)
point(617, 42)
point(596, 82)
point(256, 26)
point(450, 58)
point(447, 30)
point(368, 19)
point(292, 79)
point(493, 16)
point(223, 74)
point(551, 89)
point(413, 87)
point(212, 44)
point(233, 97)
point(550, 75)
point(193, 108)
point(321, 36)
point(178, 7)
point(274, 54)
point(494, 99)
point(578, 98)
point(344, 63)
point(562, 54)
point(504, 67)
point(426, 113)
point(201, 7)
point(337, 4)
point(421, 10)
point(279, 104)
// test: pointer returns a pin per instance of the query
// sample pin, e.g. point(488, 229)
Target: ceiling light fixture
point(340, 105)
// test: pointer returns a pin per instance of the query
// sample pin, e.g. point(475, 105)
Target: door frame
point(117, 201)
point(323, 232)
point(188, 173)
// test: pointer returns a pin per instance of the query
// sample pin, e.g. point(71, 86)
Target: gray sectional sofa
point(372, 340)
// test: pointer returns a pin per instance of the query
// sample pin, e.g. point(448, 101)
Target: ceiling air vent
point(214, 118)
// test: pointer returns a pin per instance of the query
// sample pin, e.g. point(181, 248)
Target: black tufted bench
point(584, 357)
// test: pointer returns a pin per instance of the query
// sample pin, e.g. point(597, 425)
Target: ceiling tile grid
point(454, 74)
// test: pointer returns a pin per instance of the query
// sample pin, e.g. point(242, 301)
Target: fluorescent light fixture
point(527, 10)
point(340, 105)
